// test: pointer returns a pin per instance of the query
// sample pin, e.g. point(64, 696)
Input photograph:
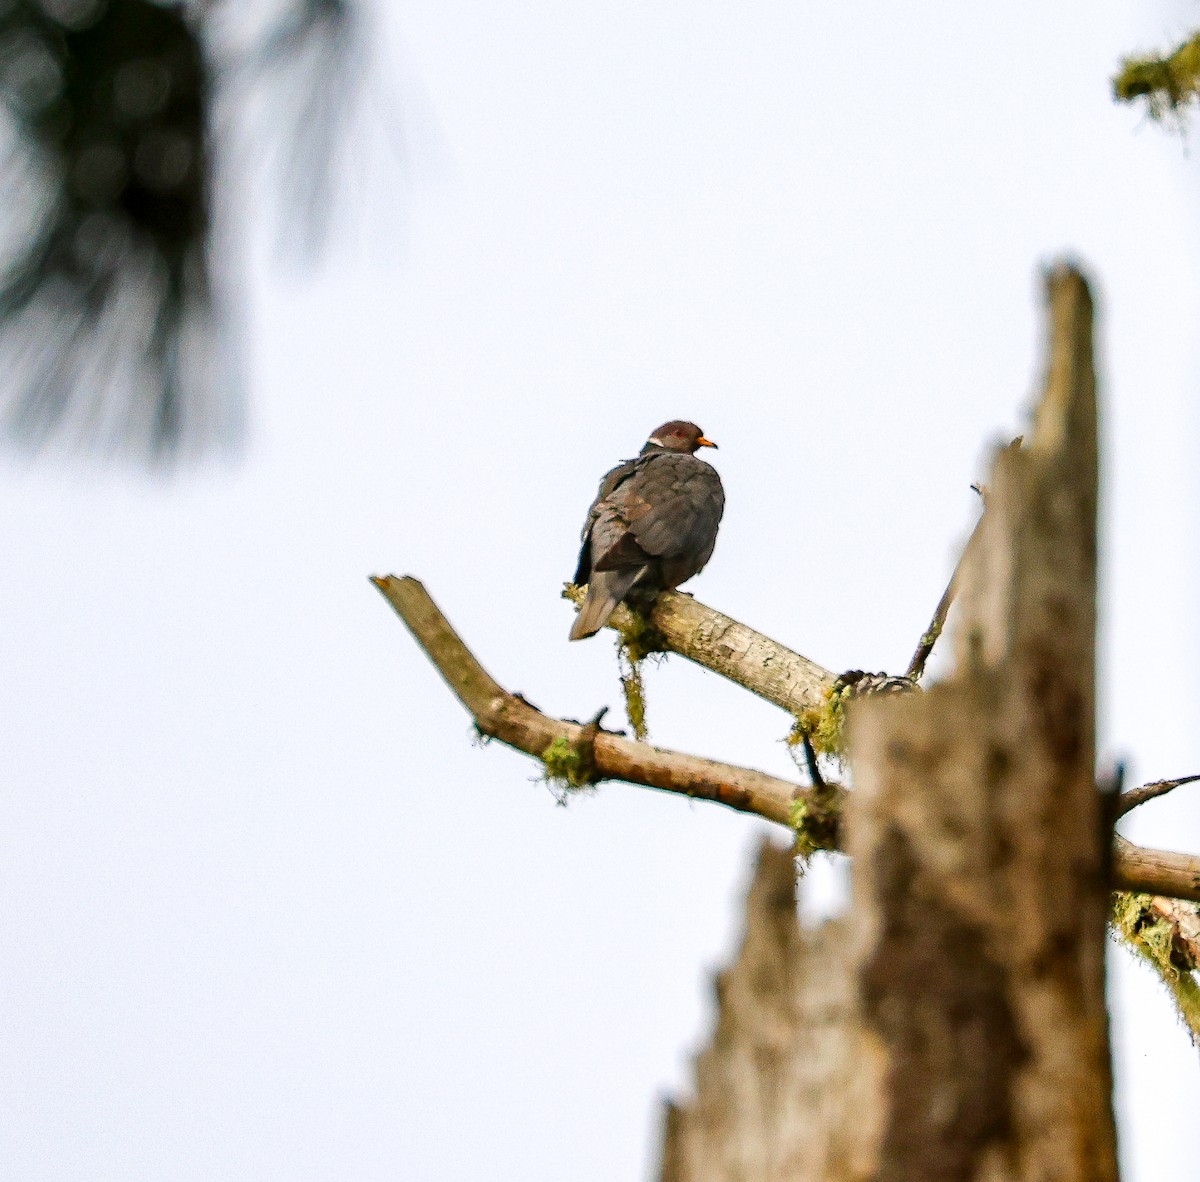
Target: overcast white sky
point(265, 911)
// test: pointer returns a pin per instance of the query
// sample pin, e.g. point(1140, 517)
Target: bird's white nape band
point(656, 441)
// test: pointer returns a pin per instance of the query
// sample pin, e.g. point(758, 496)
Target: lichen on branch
point(824, 724)
point(816, 819)
point(1165, 933)
point(568, 768)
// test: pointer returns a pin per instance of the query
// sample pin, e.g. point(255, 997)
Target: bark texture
point(980, 842)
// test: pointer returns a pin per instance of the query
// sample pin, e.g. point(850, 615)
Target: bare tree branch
point(916, 667)
point(1136, 796)
point(1156, 872)
point(681, 624)
point(604, 756)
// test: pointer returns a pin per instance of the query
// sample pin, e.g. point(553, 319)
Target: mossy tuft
point(568, 769)
point(637, 641)
point(825, 724)
point(1152, 938)
point(639, 637)
point(1166, 83)
point(634, 688)
point(805, 846)
point(815, 818)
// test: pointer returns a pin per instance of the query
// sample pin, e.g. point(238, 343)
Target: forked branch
point(507, 717)
point(510, 719)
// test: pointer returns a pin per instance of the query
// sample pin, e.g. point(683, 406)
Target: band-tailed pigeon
point(653, 523)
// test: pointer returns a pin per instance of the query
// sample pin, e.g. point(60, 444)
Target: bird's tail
point(606, 589)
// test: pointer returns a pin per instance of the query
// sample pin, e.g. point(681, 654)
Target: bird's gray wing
point(671, 508)
point(604, 526)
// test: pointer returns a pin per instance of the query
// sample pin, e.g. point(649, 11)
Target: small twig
point(1109, 786)
point(817, 817)
point(916, 667)
point(1136, 796)
point(810, 758)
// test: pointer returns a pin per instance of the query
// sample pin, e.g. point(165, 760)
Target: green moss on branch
point(637, 640)
point(634, 689)
point(568, 768)
point(1153, 939)
point(825, 724)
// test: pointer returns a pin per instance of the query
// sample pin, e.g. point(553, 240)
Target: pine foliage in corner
point(114, 337)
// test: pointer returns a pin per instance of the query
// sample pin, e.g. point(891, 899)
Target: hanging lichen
point(633, 687)
point(805, 843)
point(637, 641)
point(816, 818)
point(824, 724)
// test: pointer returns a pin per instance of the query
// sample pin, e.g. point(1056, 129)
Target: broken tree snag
point(776, 1062)
point(978, 925)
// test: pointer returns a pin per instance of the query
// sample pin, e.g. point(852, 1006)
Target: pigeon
point(653, 524)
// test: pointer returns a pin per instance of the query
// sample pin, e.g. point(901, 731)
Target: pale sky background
point(265, 911)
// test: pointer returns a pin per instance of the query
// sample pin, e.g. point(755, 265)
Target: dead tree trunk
point(969, 1037)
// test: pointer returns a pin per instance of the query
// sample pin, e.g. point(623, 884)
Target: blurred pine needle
point(110, 330)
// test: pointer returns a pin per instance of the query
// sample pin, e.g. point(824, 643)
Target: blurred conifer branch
point(314, 61)
point(113, 332)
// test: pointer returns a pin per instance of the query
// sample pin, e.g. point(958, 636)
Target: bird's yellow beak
point(702, 442)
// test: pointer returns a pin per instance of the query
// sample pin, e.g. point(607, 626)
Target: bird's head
point(678, 435)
